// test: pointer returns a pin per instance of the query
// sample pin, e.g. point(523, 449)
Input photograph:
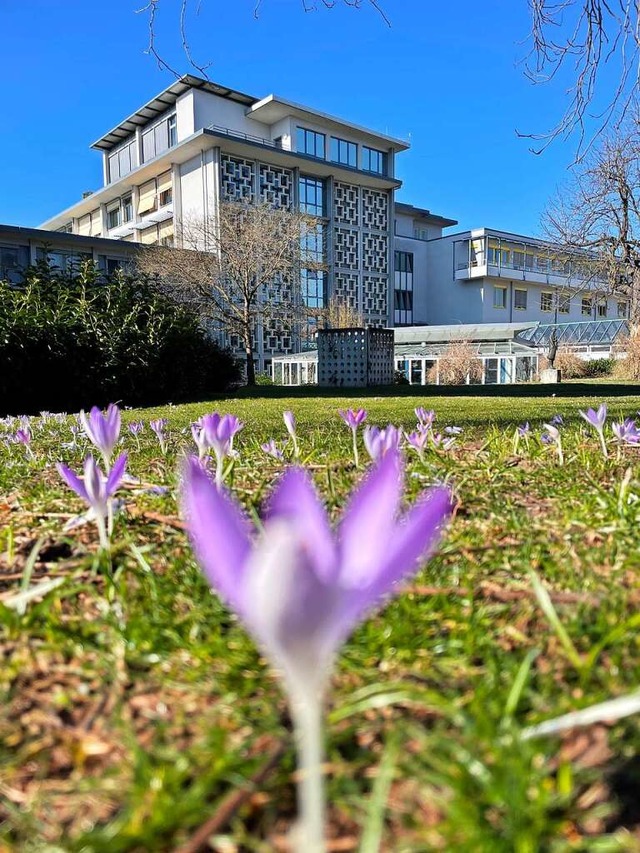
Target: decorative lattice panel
point(374, 299)
point(380, 353)
point(276, 185)
point(346, 287)
point(345, 249)
point(276, 336)
point(375, 253)
point(355, 358)
point(375, 210)
point(236, 178)
point(346, 203)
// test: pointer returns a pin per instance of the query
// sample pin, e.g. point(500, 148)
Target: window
point(127, 209)
point(67, 228)
point(113, 215)
point(373, 160)
point(310, 142)
point(602, 308)
point(63, 261)
point(165, 189)
point(564, 304)
point(546, 301)
point(421, 233)
point(13, 259)
point(311, 193)
point(499, 297)
point(313, 288)
point(587, 306)
point(147, 202)
point(343, 151)
point(172, 128)
point(403, 307)
point(158, 138)
point(622, 310)
point(122, 161)
point(403, 261)
point(520, 299)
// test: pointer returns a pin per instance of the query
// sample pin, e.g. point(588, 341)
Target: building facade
point(198, 144)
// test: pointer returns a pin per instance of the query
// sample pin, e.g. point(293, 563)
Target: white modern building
point(198, 143)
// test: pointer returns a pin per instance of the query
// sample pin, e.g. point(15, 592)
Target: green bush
point(599, 367)
point(74, 340)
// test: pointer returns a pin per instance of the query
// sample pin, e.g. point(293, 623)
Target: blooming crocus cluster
point(597, 421)
point(379, 442)
point(552, 437)
point(626, 432)
point(217, 432)
point(353, 418)
point(425, 417)
point(290, 423)
point(158, 426)
point(300, 588)
point(102, 430)
point(419, 440)
point(271, 449)
point(521, 434)
point(97, 490)
point(23, 436)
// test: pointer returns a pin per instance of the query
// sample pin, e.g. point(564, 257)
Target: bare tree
point(182, 10)
point(596, 220)
point(239, 270)
point(339, 314)
point(581, 37)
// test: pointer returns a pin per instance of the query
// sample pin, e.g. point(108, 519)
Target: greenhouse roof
point(571, 334)
point(461, 332)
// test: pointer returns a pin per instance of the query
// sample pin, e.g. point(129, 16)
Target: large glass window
point(13, 259)
point(310, 142)
point(158, 138)
point(546, 301)
point(403, 307)
point(314, 288)
point(343, 151)
point(313, 246)
point(127, 209)
point(113, 216)
point(311, 193)
point(373, 160)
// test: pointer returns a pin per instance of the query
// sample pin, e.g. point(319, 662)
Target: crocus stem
point(560, 453)
point(356, 458)
point(219, 469)
point(603, 444)
point(102, 532)
point(306, 709)
point(296, 449)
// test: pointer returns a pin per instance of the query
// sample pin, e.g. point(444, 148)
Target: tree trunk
point(248, 348)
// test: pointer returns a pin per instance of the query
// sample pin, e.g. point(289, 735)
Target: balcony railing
point(247, 137)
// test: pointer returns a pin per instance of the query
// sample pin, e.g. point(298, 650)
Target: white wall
point(450, 301)
point(185, 115)
point(192, 188)
point(210, 109)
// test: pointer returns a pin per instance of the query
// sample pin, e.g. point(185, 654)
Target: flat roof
point(273, 108)
point(162, 102)
point(460, 332)
point(19, 233)
point(423, 213)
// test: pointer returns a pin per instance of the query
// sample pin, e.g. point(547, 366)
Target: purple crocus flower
point(523, 430)
point(626, 432)
point(97, 490)
point(425, 417)
point(419, 440)
point(379, 442)
point(353, 419)
point(552, 437)
point(301, 588)
point(158, 427)
point(271, 449)
point(439, 440)
point(556, 420)
point(453, 430)
point(597, 421)
point(290, 423)
point(218, 432)
point(136, 427)
point(102, 430)
point(23, 436)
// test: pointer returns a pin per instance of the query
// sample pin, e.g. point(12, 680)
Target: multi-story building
point(489, 276)
point(197, 144)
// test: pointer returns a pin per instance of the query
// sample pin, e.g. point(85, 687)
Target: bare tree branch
point(182, 9)
point(584, 36)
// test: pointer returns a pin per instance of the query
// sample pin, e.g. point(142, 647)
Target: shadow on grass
point(564, 390)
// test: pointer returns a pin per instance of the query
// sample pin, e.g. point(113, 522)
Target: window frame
point(303, 134)
point(516, 291)
point(499, 288)
point(351, 148)
point(366, 160)
point(543, 300)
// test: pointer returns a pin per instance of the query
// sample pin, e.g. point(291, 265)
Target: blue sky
point(444, 75)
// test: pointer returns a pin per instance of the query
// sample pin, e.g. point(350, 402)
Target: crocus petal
point(116, 474)
point(290, 422)
point(290, 610)
point(369, 520)
point(73, 481)
point(414, 539)
point(219, 532)
point(296, 500)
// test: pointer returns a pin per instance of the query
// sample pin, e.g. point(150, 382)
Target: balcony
point(154, 217)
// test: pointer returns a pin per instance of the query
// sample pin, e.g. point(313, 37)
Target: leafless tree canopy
point(182, 12)
point(582, 37)
point(598, 215)
point(238, 269)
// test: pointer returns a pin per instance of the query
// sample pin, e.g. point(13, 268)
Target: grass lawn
point(136, 711)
